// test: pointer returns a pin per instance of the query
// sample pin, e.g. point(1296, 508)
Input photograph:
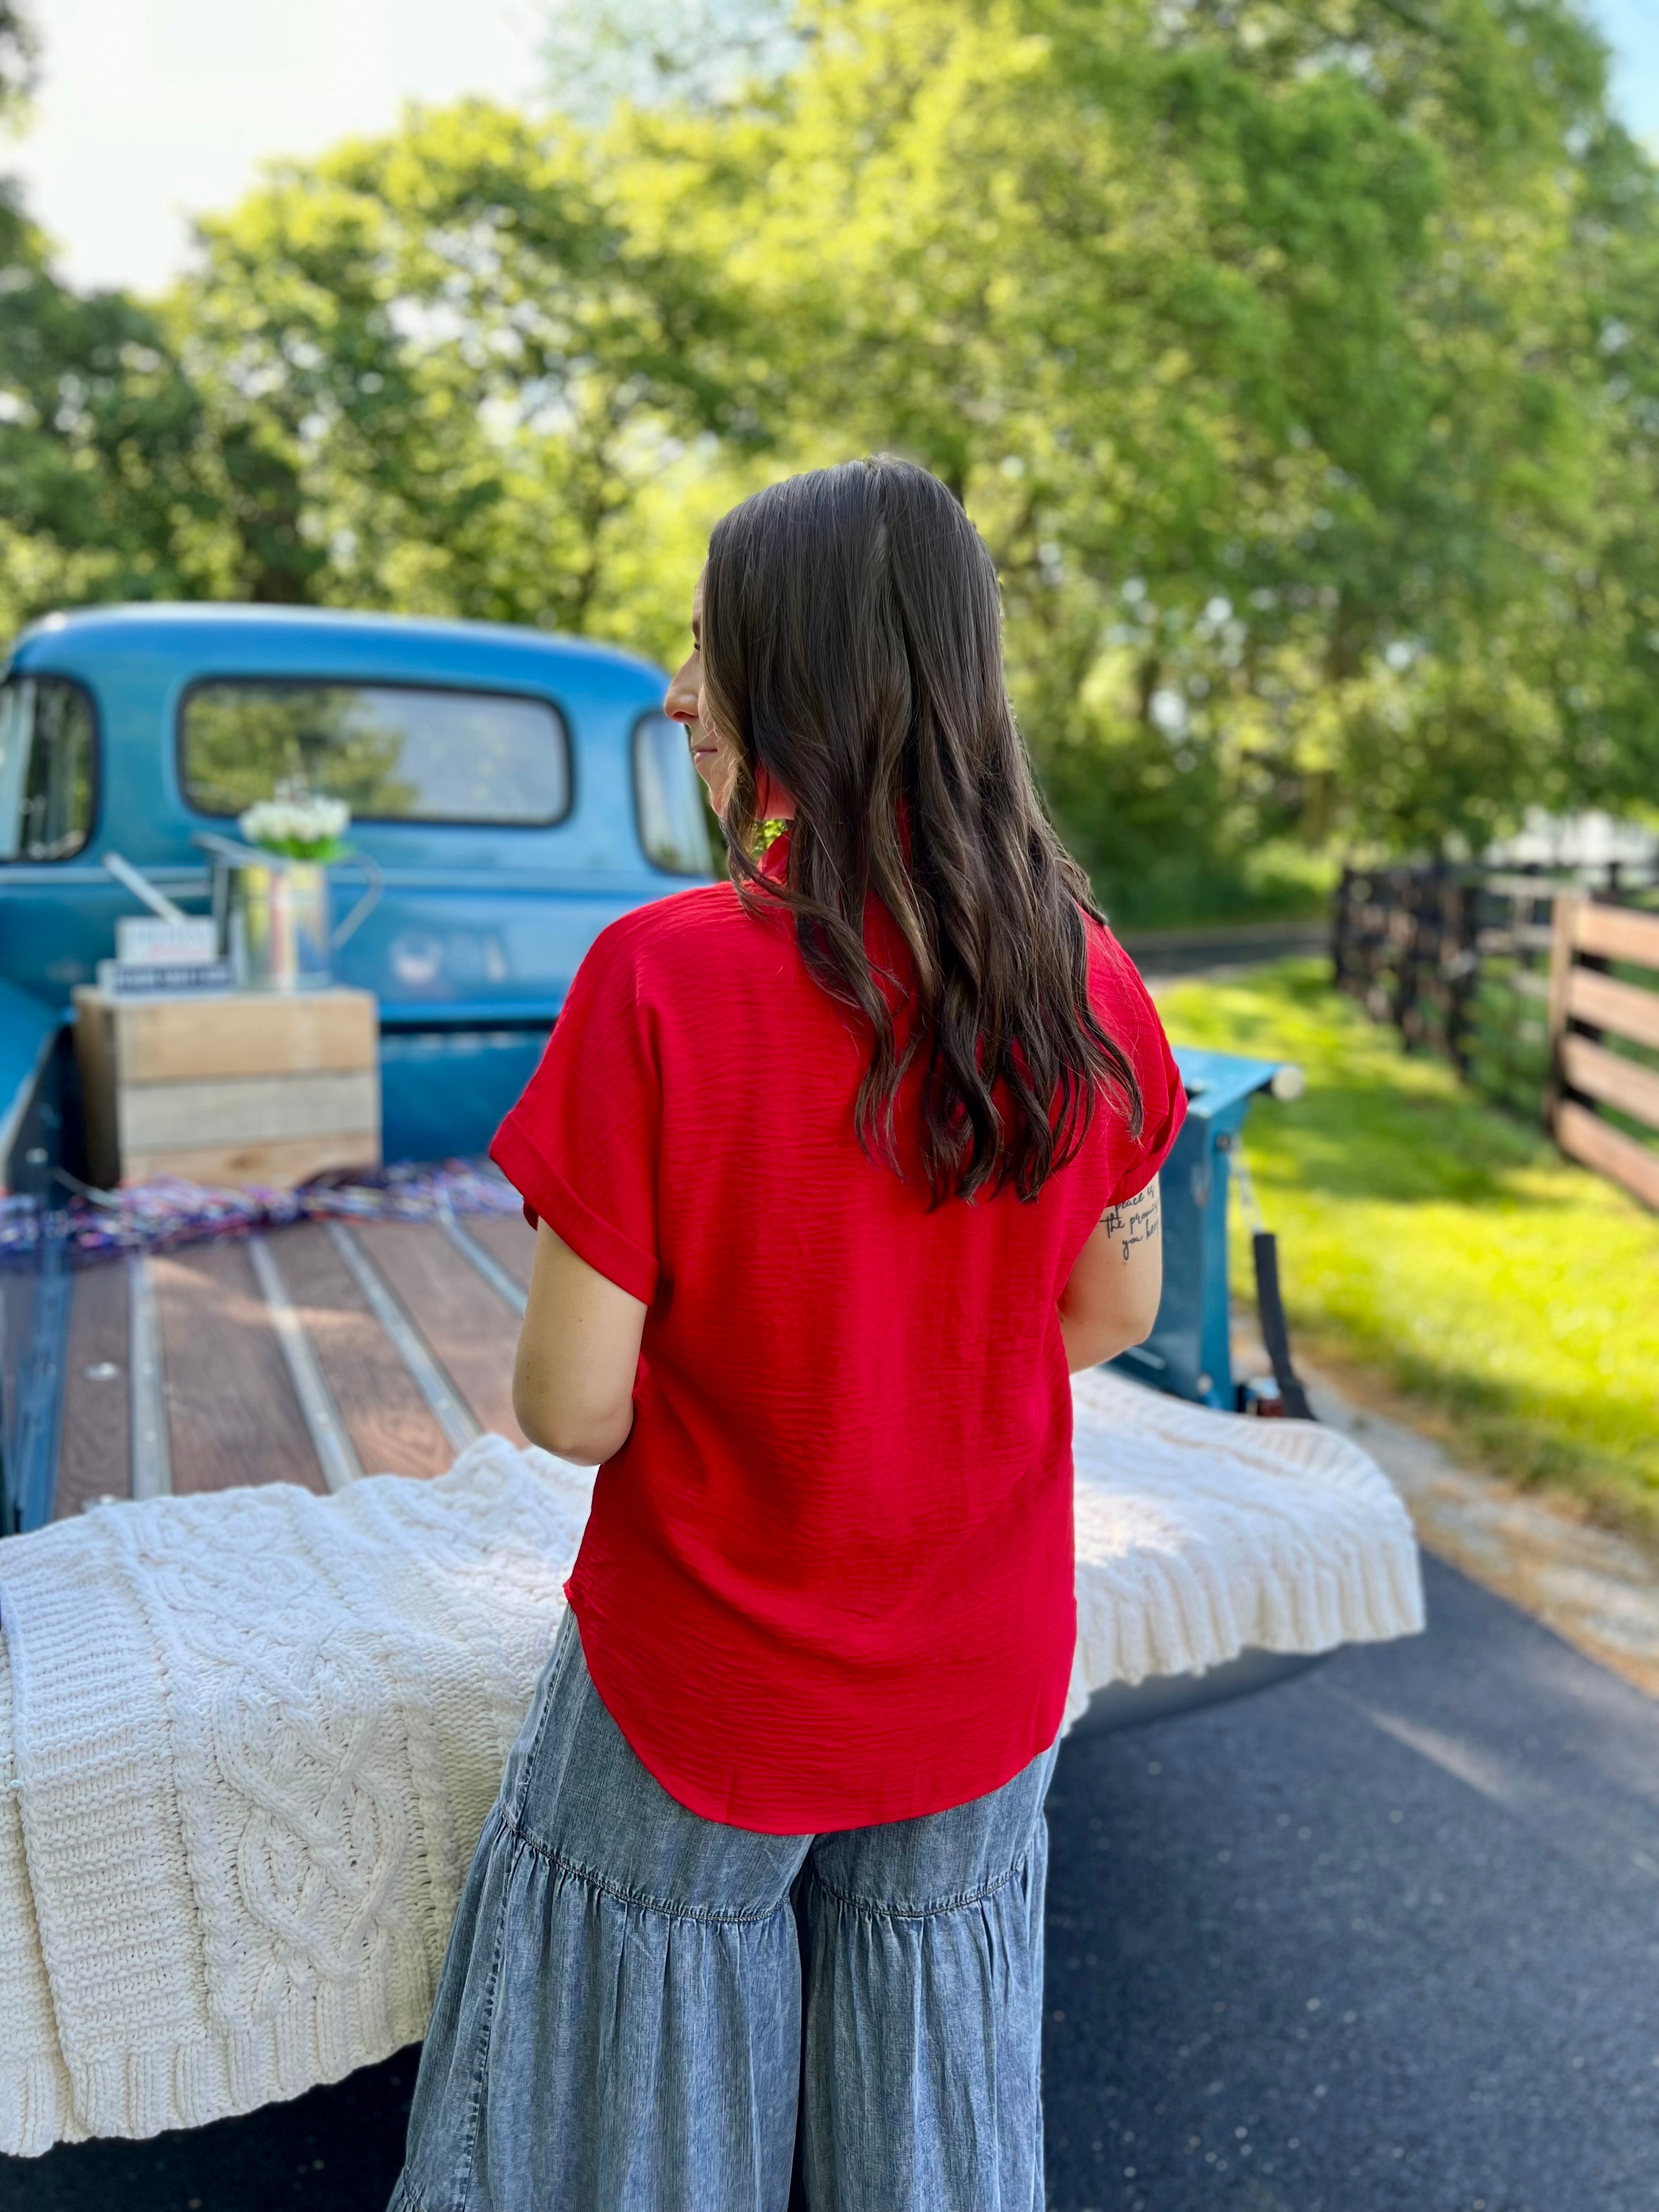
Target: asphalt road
point(1165, 955)
point(1383, 1939)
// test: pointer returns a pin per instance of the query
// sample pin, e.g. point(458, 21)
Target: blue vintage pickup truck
point(516, 791)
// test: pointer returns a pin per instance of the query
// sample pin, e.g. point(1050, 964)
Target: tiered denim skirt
point(644, 2011)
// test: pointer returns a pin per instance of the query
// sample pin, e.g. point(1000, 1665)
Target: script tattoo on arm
point(1135, 1222)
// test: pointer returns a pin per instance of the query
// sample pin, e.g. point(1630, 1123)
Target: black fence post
point(1341, 926)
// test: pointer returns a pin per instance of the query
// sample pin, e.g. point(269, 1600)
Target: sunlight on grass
point(1426, 1235)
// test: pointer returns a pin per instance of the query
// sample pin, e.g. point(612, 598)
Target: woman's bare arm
point(579, 1351)
point(1110, 1300)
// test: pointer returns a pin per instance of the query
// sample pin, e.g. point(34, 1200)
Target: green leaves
point(460, 361)
point(1297, 362)
point(106, 477)
point(1246, 335)
point(19, 51)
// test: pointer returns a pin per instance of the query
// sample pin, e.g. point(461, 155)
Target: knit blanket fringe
point(248, 1739)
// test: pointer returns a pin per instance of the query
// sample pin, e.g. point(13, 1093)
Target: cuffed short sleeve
point(581, 1146)
point(1131, 1020)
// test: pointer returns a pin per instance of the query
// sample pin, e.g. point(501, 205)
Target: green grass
point(1446, 1247)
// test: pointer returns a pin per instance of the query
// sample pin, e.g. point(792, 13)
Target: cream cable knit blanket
point(248, 1739)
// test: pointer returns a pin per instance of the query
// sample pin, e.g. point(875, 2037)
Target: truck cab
point(514, 792)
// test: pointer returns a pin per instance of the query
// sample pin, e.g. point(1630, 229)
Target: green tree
point(17, 58)
point(106, 482)
point(107, 485)
point(460, 365)
point(707, 53)
point(1263, 344)
point(1298, 363)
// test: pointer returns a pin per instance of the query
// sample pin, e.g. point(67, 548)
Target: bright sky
point(152, 110)
point(1631, 27)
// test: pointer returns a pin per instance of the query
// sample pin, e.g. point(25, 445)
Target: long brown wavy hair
point(852, 646)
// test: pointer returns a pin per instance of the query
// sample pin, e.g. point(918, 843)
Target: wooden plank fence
point(1506, 1048)
point(1604, 1040)
point(1543, 998)
point(1459, 961)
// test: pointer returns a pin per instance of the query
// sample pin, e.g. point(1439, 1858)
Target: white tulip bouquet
point(299, 823)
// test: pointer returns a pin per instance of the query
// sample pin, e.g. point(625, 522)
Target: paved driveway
point(1385, 1940)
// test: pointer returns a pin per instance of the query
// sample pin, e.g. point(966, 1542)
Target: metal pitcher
point(272, 915)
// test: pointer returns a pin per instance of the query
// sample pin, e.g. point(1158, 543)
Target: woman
point(838, 1169)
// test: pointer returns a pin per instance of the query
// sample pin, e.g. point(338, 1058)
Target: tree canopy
point(17, 57)
point(1297, 363)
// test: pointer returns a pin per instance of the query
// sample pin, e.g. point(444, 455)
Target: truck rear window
point(393, 752)
point(48, 743)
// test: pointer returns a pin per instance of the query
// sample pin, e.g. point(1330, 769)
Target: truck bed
point(315, 1353)
point(307, 1354)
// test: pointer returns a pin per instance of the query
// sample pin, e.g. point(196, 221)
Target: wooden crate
point(254, 1087)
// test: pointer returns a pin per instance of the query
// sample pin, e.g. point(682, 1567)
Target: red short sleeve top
point(828, 1580)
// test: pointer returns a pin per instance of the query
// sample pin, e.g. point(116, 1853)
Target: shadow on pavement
point(336, 2149)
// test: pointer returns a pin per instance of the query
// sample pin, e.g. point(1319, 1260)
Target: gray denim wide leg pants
point(637, 2004)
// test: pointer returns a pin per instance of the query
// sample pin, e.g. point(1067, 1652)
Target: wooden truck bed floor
point(305, 1354)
